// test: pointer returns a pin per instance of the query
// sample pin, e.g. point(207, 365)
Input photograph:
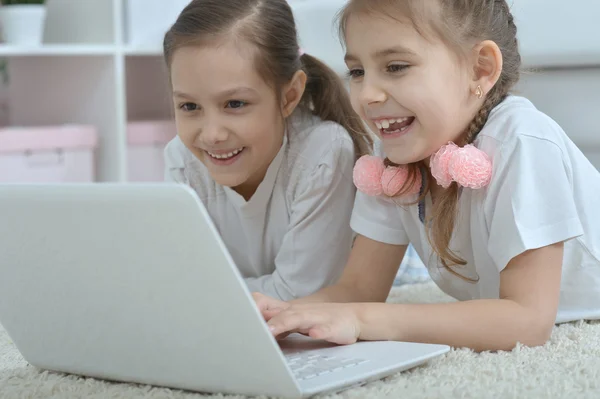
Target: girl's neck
point(247, 189)
point(435, 190)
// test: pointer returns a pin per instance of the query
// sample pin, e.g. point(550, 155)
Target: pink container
point(146, 143)
point(48, 154)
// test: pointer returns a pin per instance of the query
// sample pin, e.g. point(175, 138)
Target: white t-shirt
point(293, 237)
point(543, 191)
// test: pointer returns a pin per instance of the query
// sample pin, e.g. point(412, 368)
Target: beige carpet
point(567, 367)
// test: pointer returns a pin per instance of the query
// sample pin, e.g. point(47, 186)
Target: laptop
point(132, 283)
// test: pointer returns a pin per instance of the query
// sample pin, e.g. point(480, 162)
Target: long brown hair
point(460, 24)
point(268, 26)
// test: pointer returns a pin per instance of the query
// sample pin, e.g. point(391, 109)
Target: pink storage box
point(48, 154)
point(146, 144)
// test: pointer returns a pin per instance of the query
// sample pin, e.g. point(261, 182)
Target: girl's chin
point(230, 180)
point(404, 159)
point(399, 155)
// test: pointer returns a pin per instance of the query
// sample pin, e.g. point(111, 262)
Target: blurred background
point(84, 95)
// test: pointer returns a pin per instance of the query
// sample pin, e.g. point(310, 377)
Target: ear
point(293, 92)
point(487, 66)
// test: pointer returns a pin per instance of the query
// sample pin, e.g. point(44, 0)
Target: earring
point(479, 92)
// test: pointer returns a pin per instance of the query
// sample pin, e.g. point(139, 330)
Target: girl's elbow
point(533, 340)
point(528, 331)
point(543, 333)
point(530, 338)
point(538, 333)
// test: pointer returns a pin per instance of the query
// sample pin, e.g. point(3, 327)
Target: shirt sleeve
point(174, 164)
point(317, 244)
point(530, 201)
point(378, 219)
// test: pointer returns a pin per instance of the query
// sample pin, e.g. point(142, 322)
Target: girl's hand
point(269, 306)
point(337, 323)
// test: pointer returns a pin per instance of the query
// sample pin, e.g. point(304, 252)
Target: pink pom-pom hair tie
point(367, 175)
point(373, 178)
point(467, 166)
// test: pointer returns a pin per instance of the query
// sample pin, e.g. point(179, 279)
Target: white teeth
point(386, 123)
point(226, 156)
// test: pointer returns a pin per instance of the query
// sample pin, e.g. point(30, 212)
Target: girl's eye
point(355, 73)
point(397, 68)
point(235, 104)
point(189, 107)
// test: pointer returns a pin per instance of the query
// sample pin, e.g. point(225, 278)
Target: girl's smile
point(225, 157)
point(390, 128)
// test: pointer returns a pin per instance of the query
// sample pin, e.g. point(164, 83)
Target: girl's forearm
point(491, 324)
point(336, 293)
point(368, 276)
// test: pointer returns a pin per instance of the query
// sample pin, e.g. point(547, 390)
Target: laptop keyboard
point(305, 366)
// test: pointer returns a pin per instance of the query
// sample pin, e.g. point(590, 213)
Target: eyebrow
point(398, 50)
point(225, 93)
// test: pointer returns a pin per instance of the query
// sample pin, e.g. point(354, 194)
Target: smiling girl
point(499, 203)
point(267, 138)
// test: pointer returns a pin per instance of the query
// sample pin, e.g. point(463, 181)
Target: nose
point(371, 93)
point(213, 132)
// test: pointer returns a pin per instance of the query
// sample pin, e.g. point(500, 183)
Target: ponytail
point(328, 99)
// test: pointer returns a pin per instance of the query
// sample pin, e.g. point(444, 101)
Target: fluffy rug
point(567, 367)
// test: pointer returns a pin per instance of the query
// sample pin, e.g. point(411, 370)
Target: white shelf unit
point(88, 71)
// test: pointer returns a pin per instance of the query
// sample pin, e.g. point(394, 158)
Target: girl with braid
point(494, 196)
